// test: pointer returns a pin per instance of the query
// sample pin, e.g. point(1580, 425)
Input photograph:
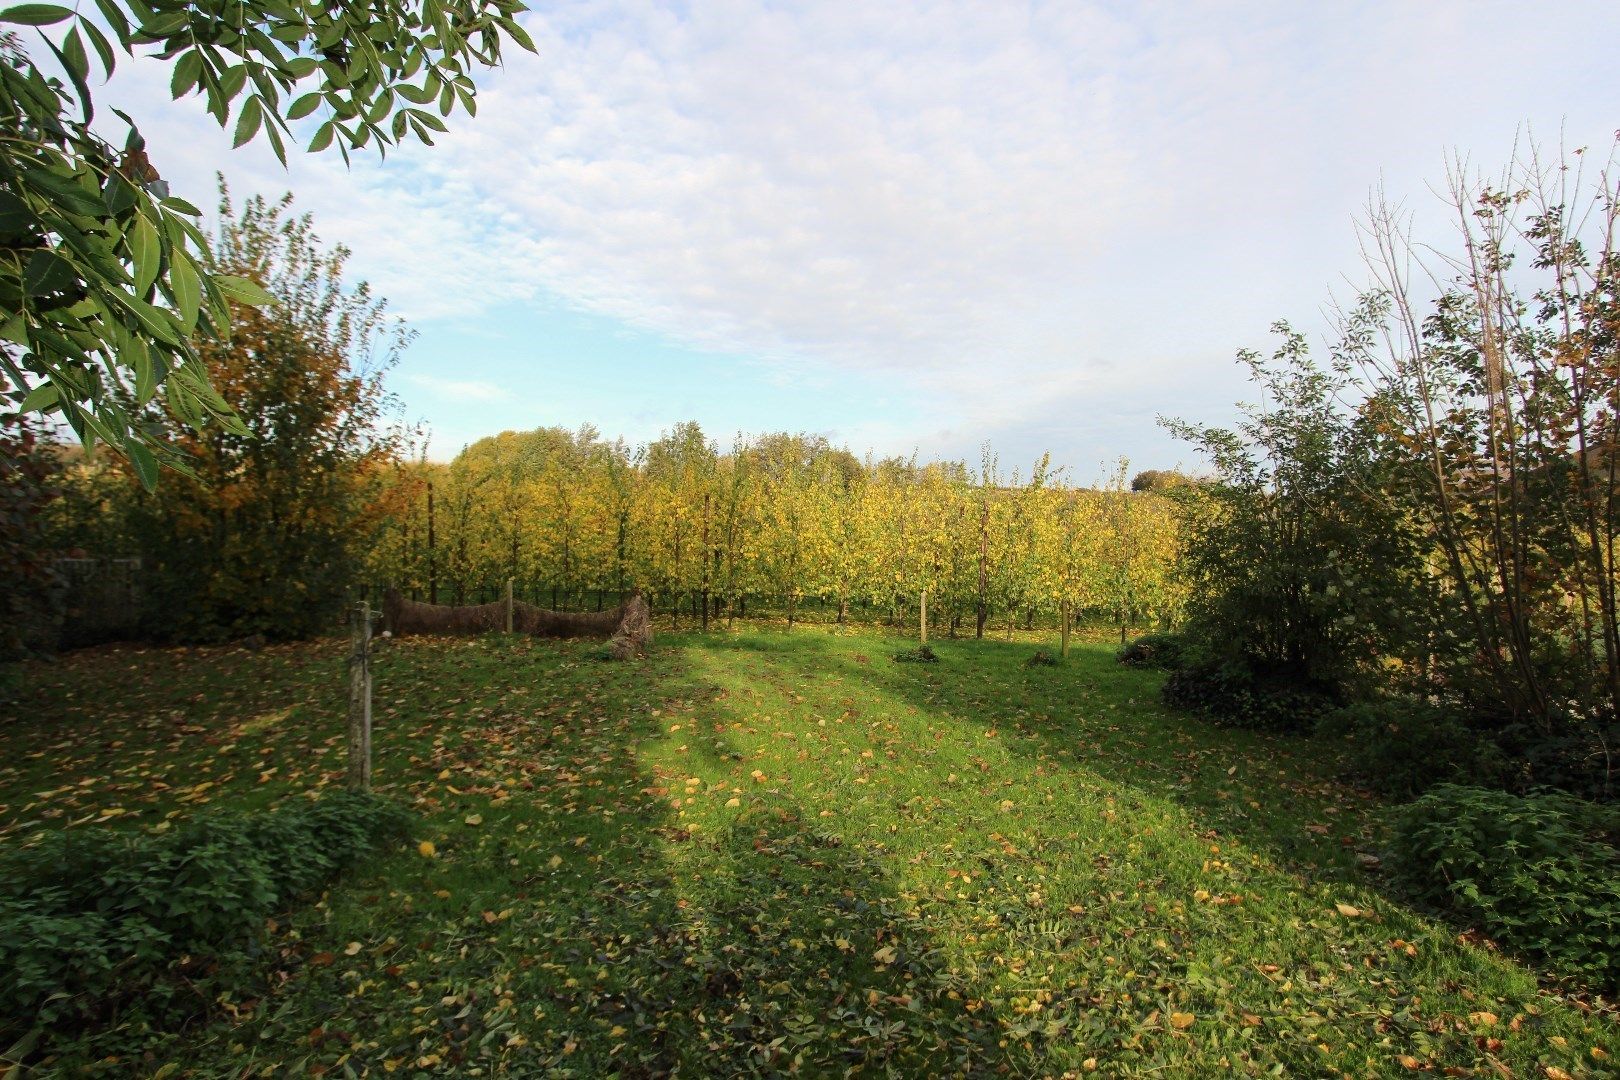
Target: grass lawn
point(763, 852)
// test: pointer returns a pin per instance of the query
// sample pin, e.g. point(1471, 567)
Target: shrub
point(1155, 651)
point(1402, 746)
point(1227, 692)
point(1042, 658)
point(88, 919)
point(922, 654)
point(1540, 873)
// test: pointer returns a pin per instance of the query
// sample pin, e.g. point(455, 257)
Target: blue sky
point(911, 227)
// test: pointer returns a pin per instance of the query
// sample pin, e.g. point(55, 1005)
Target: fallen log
point(627, 629)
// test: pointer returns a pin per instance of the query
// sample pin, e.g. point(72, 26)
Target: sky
point(909, 227)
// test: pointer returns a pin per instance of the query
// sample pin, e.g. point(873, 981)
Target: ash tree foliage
point(106, 290)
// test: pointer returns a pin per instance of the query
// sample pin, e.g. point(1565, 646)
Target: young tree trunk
point(922, 617)
point(433, 555)
point(508, 612)
point(706, 561)
point(984, 554)
point(1064, 649)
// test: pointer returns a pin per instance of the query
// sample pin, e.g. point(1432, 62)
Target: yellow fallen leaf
point(351, 948)
point(1090, 1064)
point(1179, 1020)
point(554, 862)
point(474, 819)
point(445, 775)
point(733, 802)
point(1555, 1073)
point(618, 1029)
point(1409, 1062)
point(1485, 1019)
point(427, 849)
point(1347, 910)
point(885, 955)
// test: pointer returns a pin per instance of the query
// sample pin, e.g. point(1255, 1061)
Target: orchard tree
point(108, 299)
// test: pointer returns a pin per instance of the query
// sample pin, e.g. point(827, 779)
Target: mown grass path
point(766, 852)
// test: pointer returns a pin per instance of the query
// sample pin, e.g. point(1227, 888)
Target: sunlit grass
point(761, 851)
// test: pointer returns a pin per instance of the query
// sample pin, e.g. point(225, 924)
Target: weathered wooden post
point(360, 698)
point(1064, 651)
point(508, 605)
point(923, 617)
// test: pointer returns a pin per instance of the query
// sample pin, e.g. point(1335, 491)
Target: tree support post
point(922, 619)
point(360, 698)
point(508, 605)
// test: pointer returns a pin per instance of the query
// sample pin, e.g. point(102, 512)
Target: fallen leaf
point(427, 849)
point(474, 819)
point(1347, 910)
point(1181, 1020)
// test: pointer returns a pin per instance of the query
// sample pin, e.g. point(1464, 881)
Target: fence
point(101, 601)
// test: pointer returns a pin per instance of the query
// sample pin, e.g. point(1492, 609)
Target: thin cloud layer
point(1045, 210)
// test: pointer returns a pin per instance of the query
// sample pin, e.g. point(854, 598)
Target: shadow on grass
point(566, 919)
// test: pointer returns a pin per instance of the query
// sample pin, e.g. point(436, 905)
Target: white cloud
point(1055, 210)
point(457, 389)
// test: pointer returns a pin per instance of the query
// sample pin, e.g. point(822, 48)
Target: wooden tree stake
point(508, 605)
point(923, 617)
point(360, 699)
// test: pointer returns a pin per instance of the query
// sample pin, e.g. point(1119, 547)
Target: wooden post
point(1064, 651)
point(360, 699)
point(433, 556)
point(922, 619)
point(508, 605)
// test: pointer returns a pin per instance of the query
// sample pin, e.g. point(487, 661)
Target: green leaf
point(242, 290)
point(103, 47)
point(146, 248)
point(186, 285)
point(232, 81)
point(153, 321)
point(74, 56)
point(304, 106)
point(146, 466)
point(323, 138)
point(247, 124)
point(35, 14)
point(138, 356)
point(187, 70)
point(40, 398)
point(47, 272)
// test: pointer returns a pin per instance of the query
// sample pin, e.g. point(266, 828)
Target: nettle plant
point(105, 277)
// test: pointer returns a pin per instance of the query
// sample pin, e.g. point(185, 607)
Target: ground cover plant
point(763, 851)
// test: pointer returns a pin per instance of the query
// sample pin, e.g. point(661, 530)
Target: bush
point(1401, 746)
point(1042, 658)
point(88, 919)
point(1155, 651)
point(1540, 874)
point(922, 654)
point(1229, 693)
